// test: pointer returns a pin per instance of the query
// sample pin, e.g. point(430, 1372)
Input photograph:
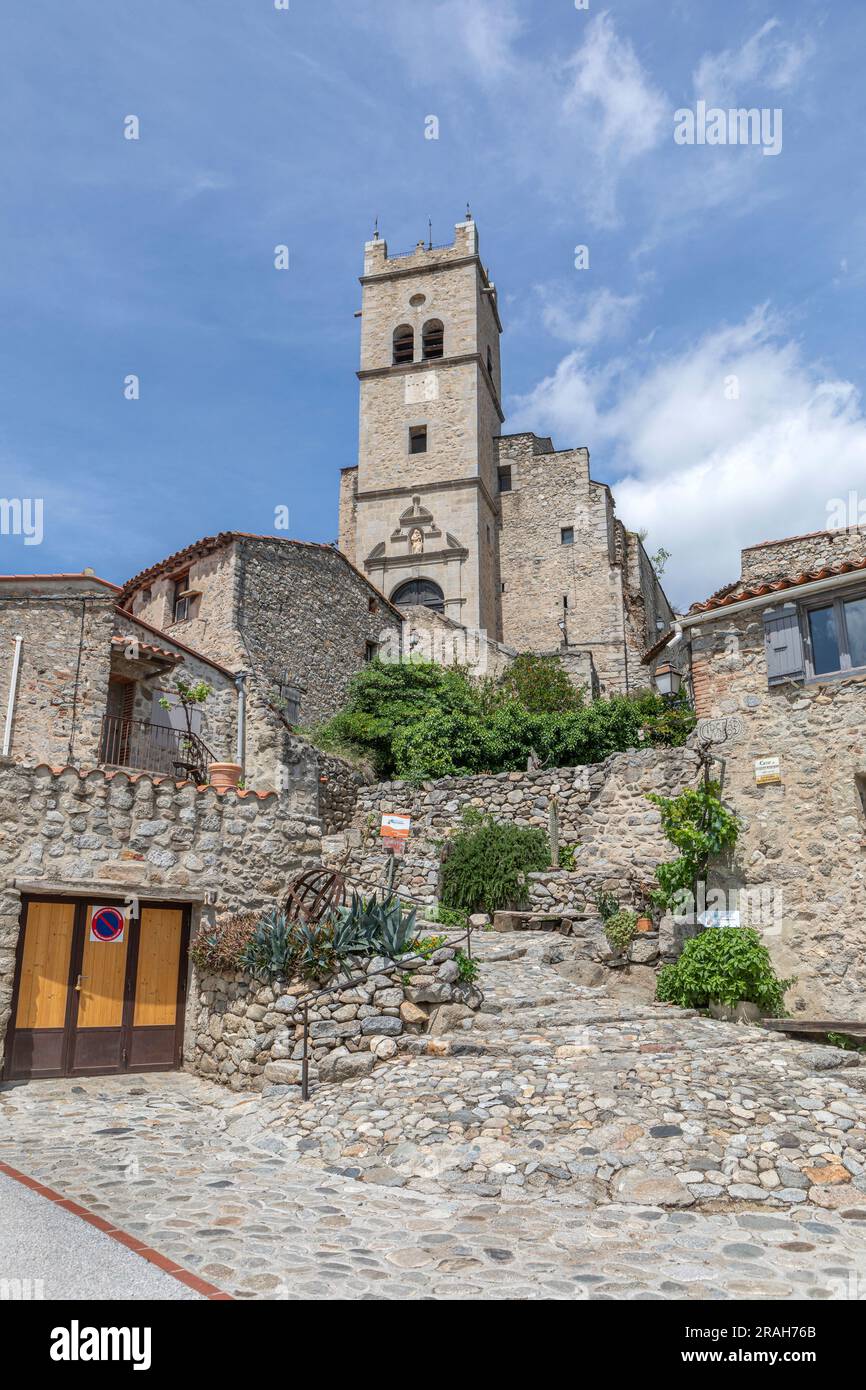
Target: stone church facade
point(500, 534)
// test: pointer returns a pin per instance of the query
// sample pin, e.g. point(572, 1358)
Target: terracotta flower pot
point(224, 775)
point(644, 923)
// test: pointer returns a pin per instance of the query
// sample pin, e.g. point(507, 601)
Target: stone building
point(87, 683)
point(778, 661)
point(295, 620)
point(498, 533)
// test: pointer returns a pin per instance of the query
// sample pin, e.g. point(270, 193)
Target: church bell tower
point(420, 512)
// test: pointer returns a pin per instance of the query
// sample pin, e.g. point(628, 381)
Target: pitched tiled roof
point(724, 598)
point(208, 544)
point(167, 637)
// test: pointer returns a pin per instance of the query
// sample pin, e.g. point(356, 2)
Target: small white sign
point(767, 771)
point(396, 827)
point(719, 917)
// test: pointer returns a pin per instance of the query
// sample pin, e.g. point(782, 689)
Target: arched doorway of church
point(419, 593)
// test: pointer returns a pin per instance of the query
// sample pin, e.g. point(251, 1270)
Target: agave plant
point(314, 949)
point(271, 949)
point(369, 925)
point(397, 929)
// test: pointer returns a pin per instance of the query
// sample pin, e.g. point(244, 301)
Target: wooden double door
point(97, 993)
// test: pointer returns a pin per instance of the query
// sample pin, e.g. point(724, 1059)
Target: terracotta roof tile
point(207, 544)
point(724, 598)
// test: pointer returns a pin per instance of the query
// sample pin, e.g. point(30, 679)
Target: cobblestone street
point(568, 1145)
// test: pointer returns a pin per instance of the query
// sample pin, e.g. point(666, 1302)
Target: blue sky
point(708, 265)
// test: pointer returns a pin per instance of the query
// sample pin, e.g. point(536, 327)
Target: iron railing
point(135, 743)
point(347, 980)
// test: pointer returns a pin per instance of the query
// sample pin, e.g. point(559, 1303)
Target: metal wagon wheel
point(313, 894)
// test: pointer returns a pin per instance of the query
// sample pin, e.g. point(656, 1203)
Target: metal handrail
point(356, 979)
point(136, 743)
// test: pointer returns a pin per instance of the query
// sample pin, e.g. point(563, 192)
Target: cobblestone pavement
point(568, 1145)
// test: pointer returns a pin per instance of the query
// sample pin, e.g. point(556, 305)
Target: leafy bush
point(451, 917)
point(487, 864)
point(724, 964)
point(541, 684)
point(426, 945)
point(218, 949)
point(467, 968)
point(606, 905)
point(419, 720)
point(621, 929)
point(567, 857)
point(700, 827)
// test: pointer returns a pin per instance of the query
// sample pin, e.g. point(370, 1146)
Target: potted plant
point(728, 971)
point(224, 775)
point(644, 920)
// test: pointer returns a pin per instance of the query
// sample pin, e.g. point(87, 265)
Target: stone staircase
point(556, 1087)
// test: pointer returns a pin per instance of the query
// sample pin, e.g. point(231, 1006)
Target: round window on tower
point(417, 300)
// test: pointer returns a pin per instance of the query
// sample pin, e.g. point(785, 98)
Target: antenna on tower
point(468, 214)
point(429, 234)
point(376, 228)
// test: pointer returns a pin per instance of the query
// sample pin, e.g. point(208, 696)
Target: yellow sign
point(768, 771)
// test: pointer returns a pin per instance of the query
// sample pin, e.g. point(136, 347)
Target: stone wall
point(802, 850)
point(602, 808)
point(306, 612)
point(249, 1035)
point(797, 554)
point(64, 666)
point(339, 784)
point(599, 593)
point(114, 833)
point(429, 636)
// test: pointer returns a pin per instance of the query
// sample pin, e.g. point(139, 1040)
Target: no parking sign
point(107, 923)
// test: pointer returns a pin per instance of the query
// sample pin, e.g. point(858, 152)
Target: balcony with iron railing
point(145, 747)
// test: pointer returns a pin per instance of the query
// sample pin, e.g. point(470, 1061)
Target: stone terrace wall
point(339, 784)
point(249, 1035)
point(603, 812)
point(118, 833)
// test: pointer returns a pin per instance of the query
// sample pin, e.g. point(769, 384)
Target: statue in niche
point(416, 540)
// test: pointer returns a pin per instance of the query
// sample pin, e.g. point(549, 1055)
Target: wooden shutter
point(783, 643)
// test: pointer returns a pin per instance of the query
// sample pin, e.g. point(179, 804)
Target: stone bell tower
point(420, 512)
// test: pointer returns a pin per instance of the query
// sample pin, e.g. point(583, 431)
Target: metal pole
point(10, 705)
point(305, 1063)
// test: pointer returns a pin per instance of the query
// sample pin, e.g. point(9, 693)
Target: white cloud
point(611, 103)
point(703, 473)
point(585, 319)
point(765, 60)
point(476, 38)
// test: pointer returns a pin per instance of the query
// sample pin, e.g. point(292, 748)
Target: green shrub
point(606, 905)
point(621, 929)
point(541, 684)
point(426, 945)
point(487, 865)
point(724, 964)
point(451, 917)
point(467, 968)
point(700, 827)
point(567, 857)
point(419, 720)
